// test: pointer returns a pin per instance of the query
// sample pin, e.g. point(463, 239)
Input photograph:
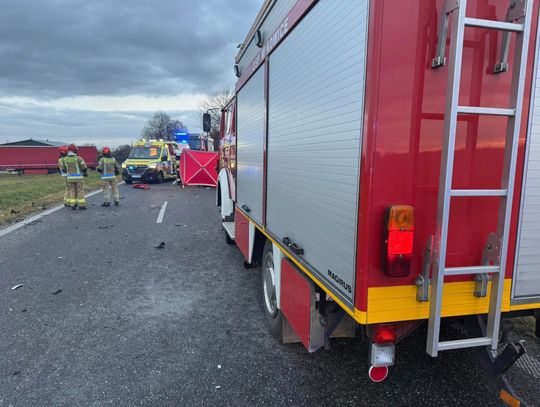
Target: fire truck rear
point(380, 165)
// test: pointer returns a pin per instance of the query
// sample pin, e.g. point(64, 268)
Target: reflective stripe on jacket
point(108, 167)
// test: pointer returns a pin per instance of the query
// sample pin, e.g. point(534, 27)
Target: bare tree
point(215, 101)
point(161, 127)
point(121, 152)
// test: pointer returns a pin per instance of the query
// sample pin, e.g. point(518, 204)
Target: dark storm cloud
point(58, 48)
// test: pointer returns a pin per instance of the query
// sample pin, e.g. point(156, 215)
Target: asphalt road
point(134, 325)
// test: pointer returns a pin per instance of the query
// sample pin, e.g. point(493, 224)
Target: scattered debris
point(218, 387)
point(19, 220)
point(14, 211)
point(17, 372)
point(23, 310)
point(160, 246)
point(57, 291)
point(34, 222)
point(178, 224)
point(60, 257)
point(141, 186)
point(16, 286)
point(219, 366)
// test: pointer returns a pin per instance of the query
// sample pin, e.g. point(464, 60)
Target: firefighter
point(108, 167)
point(63, 152)
point(75, 169)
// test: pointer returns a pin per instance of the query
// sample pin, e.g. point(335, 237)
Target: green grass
point(28, 193)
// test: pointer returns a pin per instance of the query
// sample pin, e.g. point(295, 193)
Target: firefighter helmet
point(73, 147)
point(106, 150)
point(63, 150)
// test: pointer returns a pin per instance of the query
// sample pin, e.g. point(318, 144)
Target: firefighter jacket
point(74, 166)
point(61, 166)
point(108, 167)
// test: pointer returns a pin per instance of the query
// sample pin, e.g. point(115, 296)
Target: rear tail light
point(398, 240)
point(384, 333)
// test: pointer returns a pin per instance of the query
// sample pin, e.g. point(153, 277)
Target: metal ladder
point(518, 22)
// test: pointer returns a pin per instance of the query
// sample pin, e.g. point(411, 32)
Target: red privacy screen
point(199, 168)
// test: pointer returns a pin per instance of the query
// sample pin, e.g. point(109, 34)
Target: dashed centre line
point(162, 213)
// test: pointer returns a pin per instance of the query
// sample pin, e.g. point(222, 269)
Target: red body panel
point(25, 158)
point(241, 233)
point(403, 131)
point(296, 300)
point(199, 168)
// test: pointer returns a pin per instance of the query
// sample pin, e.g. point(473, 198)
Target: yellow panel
point(398, 303)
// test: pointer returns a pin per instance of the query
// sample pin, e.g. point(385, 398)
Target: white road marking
point(25, 222)
point(162, 213)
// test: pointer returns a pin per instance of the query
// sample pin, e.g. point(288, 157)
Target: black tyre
point(273, 315)
point(160, 178)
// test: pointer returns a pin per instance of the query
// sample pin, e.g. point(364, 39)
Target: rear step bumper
point(229, 228)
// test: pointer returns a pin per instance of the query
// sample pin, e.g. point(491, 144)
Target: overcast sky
point(95, 71)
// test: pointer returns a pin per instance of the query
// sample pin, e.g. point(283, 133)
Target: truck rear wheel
point(160, 178)
point(273, 315)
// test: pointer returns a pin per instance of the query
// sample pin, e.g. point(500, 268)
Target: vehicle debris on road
point(16, 286)
point(160, 245)
point(57, 291)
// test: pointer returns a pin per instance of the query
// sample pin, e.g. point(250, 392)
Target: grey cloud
point(79, 126)
point(58, 48)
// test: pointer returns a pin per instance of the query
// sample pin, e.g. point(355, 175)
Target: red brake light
point(398, 240)
point(384, 334)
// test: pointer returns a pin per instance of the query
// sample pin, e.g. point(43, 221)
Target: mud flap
point(303, 320)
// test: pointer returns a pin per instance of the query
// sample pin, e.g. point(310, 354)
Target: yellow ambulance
point(151, 161)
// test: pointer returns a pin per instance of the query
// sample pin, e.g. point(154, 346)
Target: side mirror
point(207, 122)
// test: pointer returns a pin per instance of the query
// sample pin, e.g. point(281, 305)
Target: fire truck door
point(250, 146)
point(526, 281)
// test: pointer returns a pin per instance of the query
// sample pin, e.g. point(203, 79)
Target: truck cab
point(151, 161)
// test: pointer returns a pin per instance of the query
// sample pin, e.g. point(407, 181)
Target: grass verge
point(21, 195)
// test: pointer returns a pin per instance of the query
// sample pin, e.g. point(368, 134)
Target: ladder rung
point(464, 343)
point(460, 271)
point(495, 25)
point(478, 192)
point(492, 111)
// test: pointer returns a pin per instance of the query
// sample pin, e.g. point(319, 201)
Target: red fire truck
point(380, 164)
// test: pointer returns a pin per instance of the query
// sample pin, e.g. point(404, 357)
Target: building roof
point(35, 143)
